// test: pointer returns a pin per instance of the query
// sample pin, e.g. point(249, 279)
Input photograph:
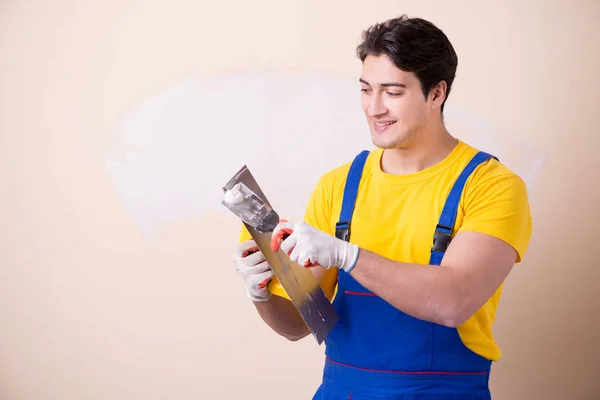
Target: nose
point(376, 106)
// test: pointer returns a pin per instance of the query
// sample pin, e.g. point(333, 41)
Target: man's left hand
point(310, 247)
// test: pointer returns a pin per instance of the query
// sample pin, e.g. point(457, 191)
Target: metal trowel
point(249, 203)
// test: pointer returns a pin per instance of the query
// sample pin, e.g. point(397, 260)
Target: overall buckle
point(342, 230)
point(441, 238)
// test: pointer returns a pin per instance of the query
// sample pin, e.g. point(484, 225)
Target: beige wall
point(91, 308)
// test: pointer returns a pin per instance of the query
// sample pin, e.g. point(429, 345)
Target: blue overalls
point(378, 352)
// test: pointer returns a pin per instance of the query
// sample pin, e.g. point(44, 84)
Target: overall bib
point(378, 352)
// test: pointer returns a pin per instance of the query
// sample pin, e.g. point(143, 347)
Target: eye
point(394, 94)
point(364, 90)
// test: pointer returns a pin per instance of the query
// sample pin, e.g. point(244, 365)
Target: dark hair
point(414, 45)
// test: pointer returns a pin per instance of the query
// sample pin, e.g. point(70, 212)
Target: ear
point(437, 94)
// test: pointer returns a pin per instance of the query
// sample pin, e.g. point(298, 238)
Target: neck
point(429, 148)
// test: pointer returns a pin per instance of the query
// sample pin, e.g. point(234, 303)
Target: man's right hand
point(251, 265)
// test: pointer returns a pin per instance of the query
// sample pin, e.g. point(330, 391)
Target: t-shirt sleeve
point(497, 204)
point(318, 209)
point(317, 214)
point(244, 234)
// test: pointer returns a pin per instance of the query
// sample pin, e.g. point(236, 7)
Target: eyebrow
point(386, 84)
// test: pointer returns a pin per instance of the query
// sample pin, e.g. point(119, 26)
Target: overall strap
point(443, 230)
point(342, 228)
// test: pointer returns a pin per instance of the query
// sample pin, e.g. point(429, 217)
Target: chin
point(387, 141)
point(383, 145)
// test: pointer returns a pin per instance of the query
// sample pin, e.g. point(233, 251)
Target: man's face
point(393, 102)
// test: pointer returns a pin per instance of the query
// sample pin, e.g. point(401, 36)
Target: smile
point(382, 124)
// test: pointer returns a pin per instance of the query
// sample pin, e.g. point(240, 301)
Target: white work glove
point(251, 265)
point(310, 247)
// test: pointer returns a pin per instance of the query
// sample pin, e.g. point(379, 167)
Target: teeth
point(384, 124)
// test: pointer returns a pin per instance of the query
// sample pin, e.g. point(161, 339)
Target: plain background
point(91, 310)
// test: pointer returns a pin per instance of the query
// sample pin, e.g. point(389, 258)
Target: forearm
point(281, 315)
point(473, 268)
point(431, 293)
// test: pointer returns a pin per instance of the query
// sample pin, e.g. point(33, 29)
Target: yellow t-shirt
point(395, 217)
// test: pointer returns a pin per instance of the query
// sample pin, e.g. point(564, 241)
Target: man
point(415, 260)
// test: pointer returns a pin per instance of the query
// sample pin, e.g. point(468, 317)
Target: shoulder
point(495, 201)
point(334, 180)
point(323, 202)
point(335, 177)
point(492, 177)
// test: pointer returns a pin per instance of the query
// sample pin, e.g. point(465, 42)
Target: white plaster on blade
point(175, 151)
point(233, 196)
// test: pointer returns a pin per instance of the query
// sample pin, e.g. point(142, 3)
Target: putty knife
point(259, 217)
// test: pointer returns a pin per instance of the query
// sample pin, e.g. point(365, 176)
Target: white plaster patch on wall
point(174, 151)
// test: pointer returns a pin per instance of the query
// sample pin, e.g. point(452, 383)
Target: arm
point(493, 235)
point(279, 313)
point(272, 302)
point(473, 268)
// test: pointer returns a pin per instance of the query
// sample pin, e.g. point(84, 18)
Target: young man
point(411, 242)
